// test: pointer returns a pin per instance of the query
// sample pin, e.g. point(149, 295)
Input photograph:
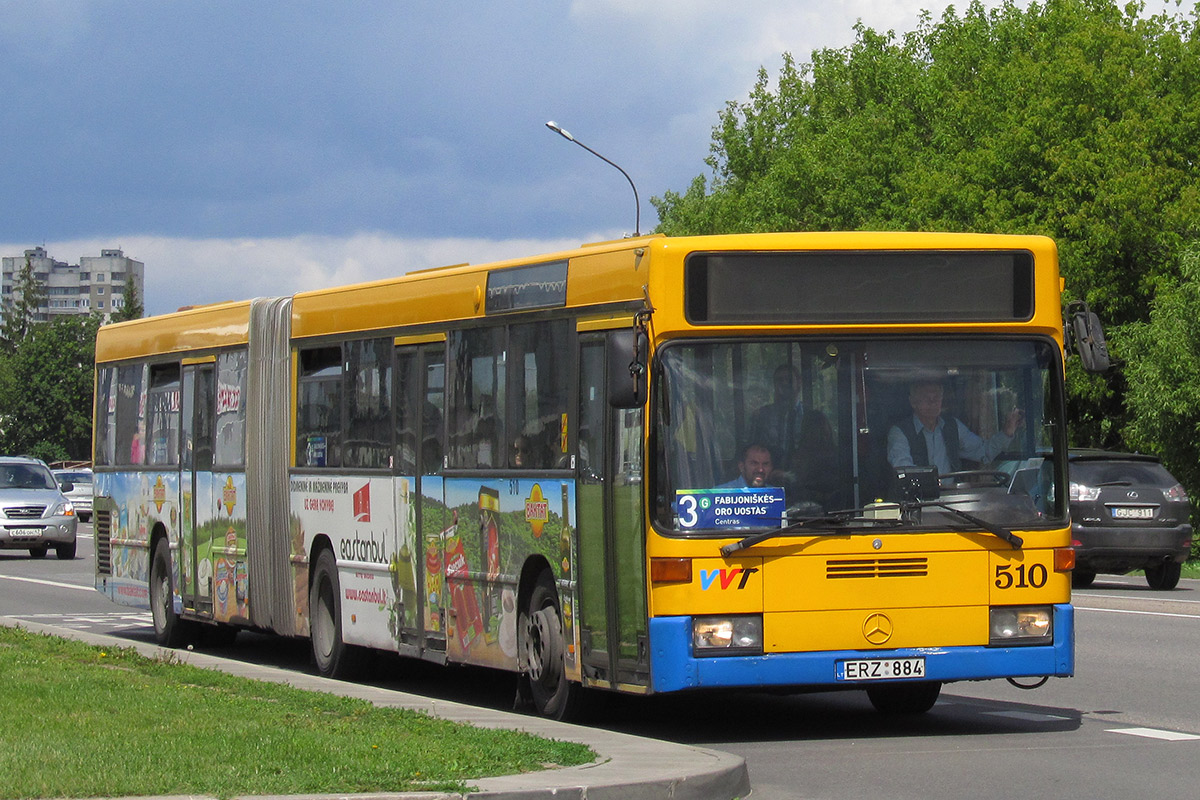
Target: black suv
point(1127, 513)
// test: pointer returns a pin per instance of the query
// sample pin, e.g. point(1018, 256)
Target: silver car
point(80, 493)
point(34, 513)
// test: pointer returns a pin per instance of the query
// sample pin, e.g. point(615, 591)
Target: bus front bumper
point(674, 668)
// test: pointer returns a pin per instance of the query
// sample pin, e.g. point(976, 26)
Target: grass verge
point(82, 721)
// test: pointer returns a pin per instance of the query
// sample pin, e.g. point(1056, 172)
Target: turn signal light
point(671, 570)
point(1064, 559)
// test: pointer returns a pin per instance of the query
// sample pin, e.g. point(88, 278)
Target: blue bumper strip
point(673, 668)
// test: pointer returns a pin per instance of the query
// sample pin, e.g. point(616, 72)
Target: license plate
point(1132, 512)
point(880, 669)
point(24, 533)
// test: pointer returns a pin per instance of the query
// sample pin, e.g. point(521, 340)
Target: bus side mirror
point(1088, 337)
point(626, 351)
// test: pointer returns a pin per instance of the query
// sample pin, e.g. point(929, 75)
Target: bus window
point(163, 422)
point(230, 445)
point(368, 403)
point(819, 427)
point(130, 415)
point(538, 394)
point(106, 407)
point(477, 391)
point(319, 415)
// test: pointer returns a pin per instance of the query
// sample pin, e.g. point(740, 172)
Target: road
point(1127, 725)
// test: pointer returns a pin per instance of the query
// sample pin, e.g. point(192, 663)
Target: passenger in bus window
point(931, 438)
point(779, 421)
point(754, 469)
point(527, 453)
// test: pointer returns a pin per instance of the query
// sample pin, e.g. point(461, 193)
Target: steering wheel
point(976, 479)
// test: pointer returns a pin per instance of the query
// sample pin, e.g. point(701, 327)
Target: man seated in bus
point(754, 469)
point(931, 438)
point(780, 420)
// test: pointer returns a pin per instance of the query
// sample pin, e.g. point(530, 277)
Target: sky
point(256, 149)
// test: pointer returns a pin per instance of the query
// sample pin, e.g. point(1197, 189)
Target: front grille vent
point(25, 512)
point(877, 568)
point(103, 532)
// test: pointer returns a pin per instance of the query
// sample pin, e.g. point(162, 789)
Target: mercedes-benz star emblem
point(877, 628)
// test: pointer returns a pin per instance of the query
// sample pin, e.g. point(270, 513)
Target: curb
point(628, 767)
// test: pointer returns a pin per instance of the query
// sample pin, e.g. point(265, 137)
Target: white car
point(34, 513)
point(80, 494)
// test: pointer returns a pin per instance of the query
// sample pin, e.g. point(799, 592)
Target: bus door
point(417, 469)
point(611, 549)
point(196, 487)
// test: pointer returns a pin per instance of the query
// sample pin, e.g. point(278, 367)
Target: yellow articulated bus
point(795, 460)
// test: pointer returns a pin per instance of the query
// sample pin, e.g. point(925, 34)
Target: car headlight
point(727, 635)
point(1022, 625)
point(64, 510)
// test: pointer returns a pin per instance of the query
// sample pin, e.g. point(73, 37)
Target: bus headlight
point(739, 635)
point(1022, 625)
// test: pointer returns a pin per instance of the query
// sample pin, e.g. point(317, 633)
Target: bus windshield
point(757, 434)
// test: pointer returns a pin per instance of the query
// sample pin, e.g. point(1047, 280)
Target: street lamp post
point(637, 226)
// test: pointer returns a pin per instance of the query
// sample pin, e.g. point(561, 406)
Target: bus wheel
point(544, 650)
point(169, 629)
point(904, 698)
point(1164, 576)
point(334, 658)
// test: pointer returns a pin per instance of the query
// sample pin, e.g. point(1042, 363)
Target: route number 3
point(1021, 577)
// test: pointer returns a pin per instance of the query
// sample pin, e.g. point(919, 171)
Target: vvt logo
point(708, 577)
point(362, 504)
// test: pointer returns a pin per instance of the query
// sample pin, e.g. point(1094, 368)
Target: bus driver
point(929, 438)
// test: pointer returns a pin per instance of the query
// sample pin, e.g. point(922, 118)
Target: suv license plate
point(1131, 512)
point(880, 669)
point(24, 533)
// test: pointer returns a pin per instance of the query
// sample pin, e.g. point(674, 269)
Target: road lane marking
point(1142, 613)
point(1153, 733)
point(48, 583)
point(1027, 716)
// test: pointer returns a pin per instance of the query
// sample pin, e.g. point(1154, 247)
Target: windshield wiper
point(839, 522)
point(995, 530)
point(836, 520)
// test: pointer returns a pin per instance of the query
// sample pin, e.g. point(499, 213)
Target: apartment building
point(96, 283)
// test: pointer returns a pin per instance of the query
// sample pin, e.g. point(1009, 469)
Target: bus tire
point(333, 657)
point(543, 648)
point(1164, 576)
point(169, 629)
point(904, 698)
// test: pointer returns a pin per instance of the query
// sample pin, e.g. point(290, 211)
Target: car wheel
point(1164, 576)
point(169, 629)
point(904, 698)
point(544, 654)
point(65, 552)
point(334, 658)
point(1081, 579)
point(38, 552)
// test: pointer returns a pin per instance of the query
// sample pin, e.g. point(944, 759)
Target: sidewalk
point(627, 767)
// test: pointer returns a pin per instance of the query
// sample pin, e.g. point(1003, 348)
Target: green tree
point(1163, 370)
point(131, 304)
point(20, 316)
point(46, 390)
point(1071, 118)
